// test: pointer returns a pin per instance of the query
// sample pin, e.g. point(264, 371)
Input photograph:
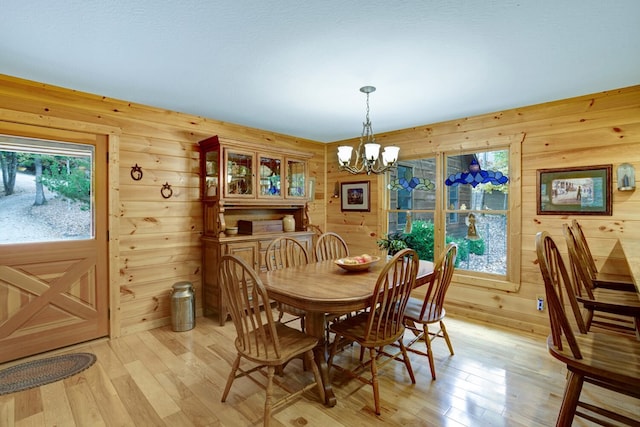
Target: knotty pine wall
point(158, 239)
point(602, 128)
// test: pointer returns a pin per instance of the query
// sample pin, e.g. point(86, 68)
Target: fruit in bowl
point(358, 262)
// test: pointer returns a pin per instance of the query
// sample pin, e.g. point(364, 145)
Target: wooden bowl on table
point(356, 263)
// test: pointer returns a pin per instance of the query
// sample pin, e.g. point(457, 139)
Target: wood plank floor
point(163, 378)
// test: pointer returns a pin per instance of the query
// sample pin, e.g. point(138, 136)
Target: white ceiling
point(295, 66)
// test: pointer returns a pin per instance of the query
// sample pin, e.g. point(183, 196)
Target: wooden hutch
point(250, 187)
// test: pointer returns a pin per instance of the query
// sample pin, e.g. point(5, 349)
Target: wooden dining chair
point(601, 303)
point(420, 313)
point(605, 360)
point(381, 324)
point(600, 279)
point(285, 252)
point(331, 246)
point(260, 340)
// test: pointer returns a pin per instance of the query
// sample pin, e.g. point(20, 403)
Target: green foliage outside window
point(421, 240)
point(68, 176)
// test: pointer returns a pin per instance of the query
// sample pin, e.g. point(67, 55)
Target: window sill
point(486, 281)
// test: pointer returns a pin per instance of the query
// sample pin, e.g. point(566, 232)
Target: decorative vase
point(289, 223)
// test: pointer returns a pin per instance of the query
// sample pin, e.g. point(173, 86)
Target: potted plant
point(393, 243)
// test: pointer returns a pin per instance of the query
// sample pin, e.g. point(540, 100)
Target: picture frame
point(355, 196)
point(584, 190)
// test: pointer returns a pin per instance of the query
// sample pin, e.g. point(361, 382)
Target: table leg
point(315, 325)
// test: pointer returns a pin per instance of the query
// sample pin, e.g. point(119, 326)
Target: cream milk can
point(183, 307)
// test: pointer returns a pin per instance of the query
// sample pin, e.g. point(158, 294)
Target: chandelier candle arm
point(368, 158)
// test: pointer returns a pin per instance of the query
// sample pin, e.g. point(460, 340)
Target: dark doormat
point(43, 371)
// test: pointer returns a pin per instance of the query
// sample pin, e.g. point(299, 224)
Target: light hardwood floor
point(163, 378)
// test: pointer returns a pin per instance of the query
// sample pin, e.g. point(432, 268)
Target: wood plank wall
point(601, 128)
point(159, 239)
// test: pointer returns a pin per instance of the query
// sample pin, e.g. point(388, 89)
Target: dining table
point(326, 288)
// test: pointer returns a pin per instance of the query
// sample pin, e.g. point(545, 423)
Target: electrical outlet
point(540, 302)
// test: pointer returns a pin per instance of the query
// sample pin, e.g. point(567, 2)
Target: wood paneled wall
point(158, 239)
point(601, 128)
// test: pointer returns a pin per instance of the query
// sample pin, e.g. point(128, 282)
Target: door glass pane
point(212, 173)
point(296, 177)
point(239, 173)
point(270, 173)
point(46, 193)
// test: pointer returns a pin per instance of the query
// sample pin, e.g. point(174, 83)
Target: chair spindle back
point(331, 246)
point(433, 305)
point(285, 252)
point(390, 296)
point(556, 277)
point(245, 295)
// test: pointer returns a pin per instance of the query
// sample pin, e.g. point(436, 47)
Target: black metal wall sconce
point(136, 172)
point(166, 190)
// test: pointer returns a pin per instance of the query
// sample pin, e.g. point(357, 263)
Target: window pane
point(477, 217)
point(46, 192)
point(485, 248)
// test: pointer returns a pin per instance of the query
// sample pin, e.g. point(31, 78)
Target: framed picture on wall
point(355, 196)
point(574, 191)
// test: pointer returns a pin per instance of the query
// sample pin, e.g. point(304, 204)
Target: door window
point(46, 192)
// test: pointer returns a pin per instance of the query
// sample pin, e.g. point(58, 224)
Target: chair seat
point(607, 357)
point(623, 282)
point(354, 328)
point(613, 301)
point(414, 308)
point(292, 343)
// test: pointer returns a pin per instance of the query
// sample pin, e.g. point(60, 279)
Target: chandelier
point(368, 158)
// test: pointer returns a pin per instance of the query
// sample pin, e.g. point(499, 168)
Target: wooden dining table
point(325, 288)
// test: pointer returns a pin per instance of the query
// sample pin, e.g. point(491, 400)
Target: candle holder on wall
point(166, 190)
point(136, 172)
point(626, 177)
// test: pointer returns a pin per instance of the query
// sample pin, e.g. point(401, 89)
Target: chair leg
point(268, 403)
point(232, 376)
point(427, 341)
point(589, 319)
point(332, 351)
point(445, 335)
point(407, 361)
point(374, 380)
point(570, 399)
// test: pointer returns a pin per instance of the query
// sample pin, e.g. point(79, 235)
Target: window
point(46, 193)
point(477, 218)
